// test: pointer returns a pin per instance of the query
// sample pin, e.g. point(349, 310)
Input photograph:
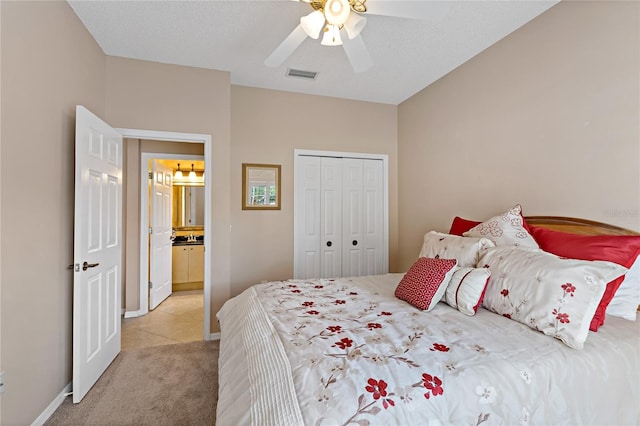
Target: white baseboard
point(133, 314)
point(52, 407)
point(214, 336)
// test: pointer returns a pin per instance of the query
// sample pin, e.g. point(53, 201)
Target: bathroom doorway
point(137, 274)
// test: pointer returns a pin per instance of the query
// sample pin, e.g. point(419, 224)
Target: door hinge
point(151, 230)
point(150, 175)
point(150, 285)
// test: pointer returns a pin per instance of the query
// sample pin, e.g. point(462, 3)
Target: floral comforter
point(345, 351)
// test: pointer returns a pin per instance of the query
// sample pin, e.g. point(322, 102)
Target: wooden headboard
point(577, 226)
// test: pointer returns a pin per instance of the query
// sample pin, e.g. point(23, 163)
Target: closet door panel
point(373, 217)
point(307, 199)
point(330, 217)
point(352, 223)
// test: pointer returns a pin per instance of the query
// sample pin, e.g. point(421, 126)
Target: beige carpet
point(162, 385)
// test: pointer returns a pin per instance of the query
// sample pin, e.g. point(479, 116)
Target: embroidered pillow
point(425, 282)
point(506, 229)
point(620, 249)
point(466, 289)
point(463, 249)
point(554, 295)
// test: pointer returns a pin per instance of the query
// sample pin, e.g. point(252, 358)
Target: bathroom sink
point(188, 243)
point(185, 241)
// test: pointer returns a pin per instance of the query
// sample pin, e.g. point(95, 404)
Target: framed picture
point(260, 186)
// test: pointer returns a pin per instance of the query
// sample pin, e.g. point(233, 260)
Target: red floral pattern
point(355, 337)
point(433, 384)
point(344, 343)
point(439, 347)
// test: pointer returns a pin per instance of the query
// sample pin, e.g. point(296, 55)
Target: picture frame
point(261, 186)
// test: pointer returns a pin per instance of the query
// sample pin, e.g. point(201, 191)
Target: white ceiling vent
point(309, 75)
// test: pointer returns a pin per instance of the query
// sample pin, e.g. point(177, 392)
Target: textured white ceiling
point(236, 36)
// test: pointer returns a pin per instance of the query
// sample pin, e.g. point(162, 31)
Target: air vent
point(309, 75)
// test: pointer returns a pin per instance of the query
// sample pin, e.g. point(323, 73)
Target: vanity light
point(192, 173)
point(178, 174)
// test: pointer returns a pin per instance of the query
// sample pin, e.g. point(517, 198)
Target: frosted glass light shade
point(312, 23)
point(331, 36)
point(337, 11)
point(354, 25)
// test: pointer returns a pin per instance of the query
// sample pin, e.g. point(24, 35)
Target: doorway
point(143, 305)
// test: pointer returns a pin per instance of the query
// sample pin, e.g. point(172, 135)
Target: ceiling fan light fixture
point(331, 36)
point(313, 23)
point(337, 12)
point(354, 25)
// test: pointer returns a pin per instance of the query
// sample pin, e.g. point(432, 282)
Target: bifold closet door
point(319, 197)
point(362, 217)
point(339, 217)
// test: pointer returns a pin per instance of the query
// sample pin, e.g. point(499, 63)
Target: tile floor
point(178, 319)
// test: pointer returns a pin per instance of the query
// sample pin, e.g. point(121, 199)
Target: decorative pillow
point(464, 250)
point(459, 225)
point(425, 282)
point(620, 249)
point(627, 298)
point(466, 289)
point(545, 292)
point(506, 229)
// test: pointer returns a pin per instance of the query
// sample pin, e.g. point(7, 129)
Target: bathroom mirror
point(188, 206)
point(260, 187)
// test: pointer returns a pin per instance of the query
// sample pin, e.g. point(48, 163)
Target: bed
point(350, 351)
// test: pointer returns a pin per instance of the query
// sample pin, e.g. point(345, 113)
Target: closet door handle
point(329, 243)
point(354, 242)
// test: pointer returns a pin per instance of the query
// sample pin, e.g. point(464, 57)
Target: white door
point(339, 208)
point(97, 250)
point(160, 237)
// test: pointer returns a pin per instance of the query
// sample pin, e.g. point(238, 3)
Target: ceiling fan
point(341, 23)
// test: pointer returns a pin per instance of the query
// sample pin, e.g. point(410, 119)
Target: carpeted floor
point(162, 385)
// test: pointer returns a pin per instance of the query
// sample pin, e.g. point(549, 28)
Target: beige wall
point(50, 63)
point(153, 96)
point(133, 153)
point(548, 117)
point(266, 127)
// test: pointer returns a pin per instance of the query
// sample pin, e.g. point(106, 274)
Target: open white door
point(97, 250)
point(160, 235)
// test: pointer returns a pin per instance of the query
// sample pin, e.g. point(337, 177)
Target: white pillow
point(466, 289)
point(505, 230)
point(626, 300)
point(446, 246)
point(554, 295)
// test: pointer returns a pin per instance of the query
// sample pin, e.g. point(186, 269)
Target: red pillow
point(620, 249)
point(459, 226)
point(425, 282)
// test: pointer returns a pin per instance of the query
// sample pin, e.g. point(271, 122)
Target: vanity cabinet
point(187, 264)
point(196, 263)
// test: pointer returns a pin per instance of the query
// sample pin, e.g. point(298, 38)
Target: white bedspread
point(318, 352)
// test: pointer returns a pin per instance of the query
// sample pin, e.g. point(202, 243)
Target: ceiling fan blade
point(286, 48)
point(357, 53)
point(423, 10)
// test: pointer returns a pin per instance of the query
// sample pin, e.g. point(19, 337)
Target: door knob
point(329, 243)
point(354, 242)
point(86, 265)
